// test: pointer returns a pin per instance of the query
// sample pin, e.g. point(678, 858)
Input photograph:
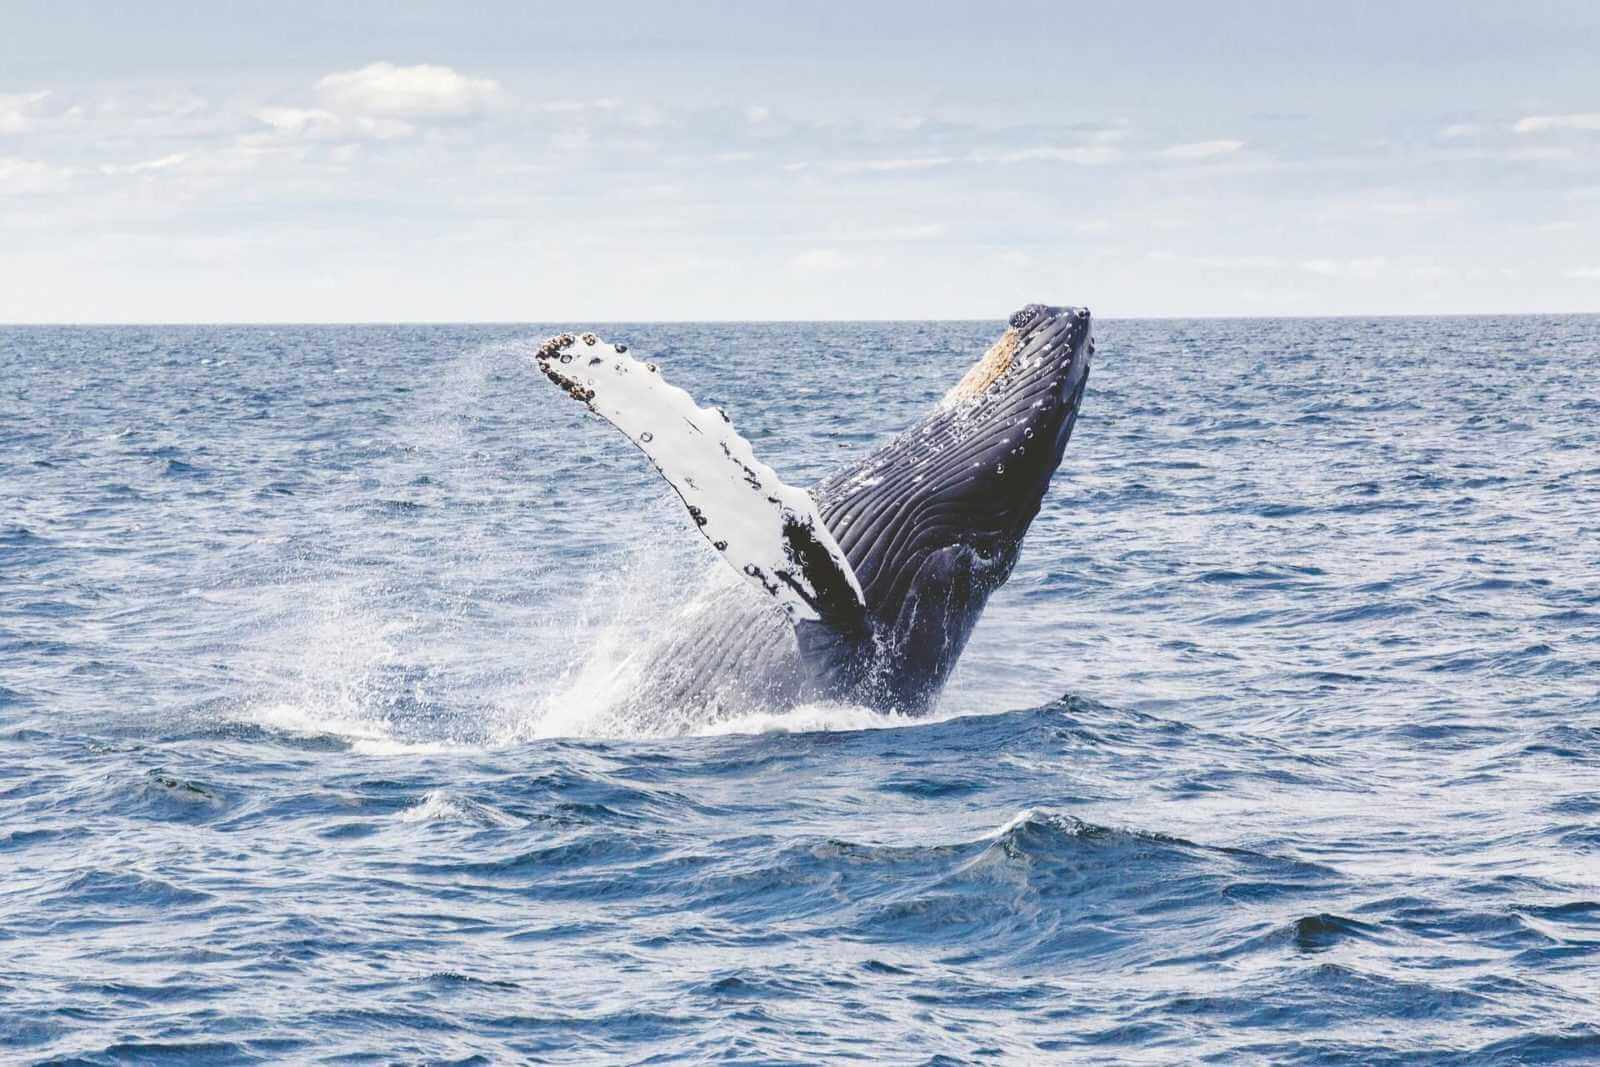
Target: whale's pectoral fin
point(771, 533)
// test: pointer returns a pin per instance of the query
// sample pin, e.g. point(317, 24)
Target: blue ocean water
point(1282, 745)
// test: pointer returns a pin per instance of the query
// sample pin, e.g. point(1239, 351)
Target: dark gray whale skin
point(931, 523)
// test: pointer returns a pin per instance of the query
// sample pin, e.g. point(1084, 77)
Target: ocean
point(1282, 745)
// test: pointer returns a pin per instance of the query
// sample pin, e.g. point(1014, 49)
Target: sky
point(358, 162)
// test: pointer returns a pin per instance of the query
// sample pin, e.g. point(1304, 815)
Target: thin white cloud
point(1546, 123)
point(144, 105)
point(1586, 274)
point(879, 166)
point(888, 234)
point(820, 261)
point(567, 107)
point(755, 113)
point(318, 124)
point(1202, 149)
point(1421, 206)
point(1539, 154)
point(1216, 262)
point(1460, 130)
point(176, 159)
point(1364, 268)
point(19, 177)
point(1084, 155)
point(19, 111)
point(1392, 205)
point(424, 91)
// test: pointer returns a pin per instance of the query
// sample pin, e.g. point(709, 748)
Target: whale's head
point(932, 522)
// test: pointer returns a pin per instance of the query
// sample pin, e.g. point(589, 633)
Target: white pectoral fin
point(771, 533)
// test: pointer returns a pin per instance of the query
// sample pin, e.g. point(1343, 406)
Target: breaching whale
point(871, 582)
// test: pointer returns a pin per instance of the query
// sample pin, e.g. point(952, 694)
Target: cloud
point(1109, 136)
point(1085, 155)
point(1540, 153)
point(920, 232)
point(145, 105)
point(1460, 130)
point(879, 166)
point(820, 261)
point(1545, 123)
point(1586, 274)
point(1216, 262)
point(317, 124)
point(174, 160)
point(19, 177)
point(1393, 204)
point(19, 111)
point(1202, 149)
point(755, 113)
point(423, 91)
point(569, 107)
point(1364, 268)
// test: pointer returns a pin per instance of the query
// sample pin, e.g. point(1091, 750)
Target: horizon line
point(107, 323)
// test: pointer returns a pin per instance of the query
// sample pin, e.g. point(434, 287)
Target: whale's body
point(880, 572)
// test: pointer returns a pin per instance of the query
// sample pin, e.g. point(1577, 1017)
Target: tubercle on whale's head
point(1039, 343)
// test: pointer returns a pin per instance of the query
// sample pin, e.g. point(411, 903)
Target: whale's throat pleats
point(770, 533)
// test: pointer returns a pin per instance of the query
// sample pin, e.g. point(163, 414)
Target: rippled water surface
point(1281, 746)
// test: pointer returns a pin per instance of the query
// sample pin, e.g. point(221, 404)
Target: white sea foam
point(368, 736)
point(816, 718)
point(437, 805)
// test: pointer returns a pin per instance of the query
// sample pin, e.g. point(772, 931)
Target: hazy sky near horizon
point(614, 161)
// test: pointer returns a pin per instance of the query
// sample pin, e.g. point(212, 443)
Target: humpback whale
point(869, 583)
